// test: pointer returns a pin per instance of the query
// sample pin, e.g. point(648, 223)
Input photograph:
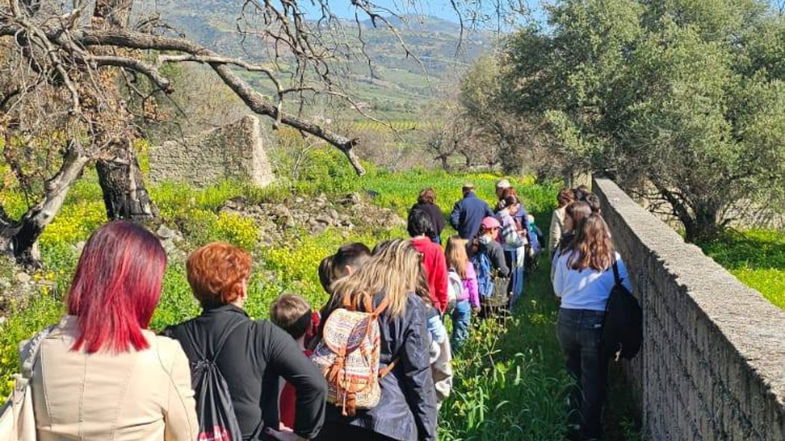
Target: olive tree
point(679, 100)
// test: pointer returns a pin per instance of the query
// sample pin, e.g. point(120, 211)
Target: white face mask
point(485, 239)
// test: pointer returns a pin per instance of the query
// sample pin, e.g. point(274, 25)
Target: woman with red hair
point(250, 354)
point(101, 374)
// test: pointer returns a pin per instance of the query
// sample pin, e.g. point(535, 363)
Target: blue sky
point(436, 8)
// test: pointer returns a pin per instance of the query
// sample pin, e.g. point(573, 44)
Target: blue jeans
point(580, 333)
point(461, 320)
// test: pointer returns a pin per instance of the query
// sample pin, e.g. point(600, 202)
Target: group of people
point(101, 374)
point(584, 261)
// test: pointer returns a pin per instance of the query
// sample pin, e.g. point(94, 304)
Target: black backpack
point(622, 331)
point(217, 420)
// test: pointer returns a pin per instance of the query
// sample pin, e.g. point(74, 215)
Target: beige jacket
point(557, 227)
point(132, 396)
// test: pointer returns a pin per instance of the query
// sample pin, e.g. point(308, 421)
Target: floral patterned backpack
point(348, 356)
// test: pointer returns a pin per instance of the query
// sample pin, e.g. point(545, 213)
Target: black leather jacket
point(255, 354)
point(407, 409)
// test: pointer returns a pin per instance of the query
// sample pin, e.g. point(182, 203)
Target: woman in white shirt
point(583, 279)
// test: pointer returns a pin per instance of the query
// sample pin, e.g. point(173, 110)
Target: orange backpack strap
point(383, 372)
point(380, 309)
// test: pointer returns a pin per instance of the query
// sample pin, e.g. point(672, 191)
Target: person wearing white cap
point(503, 190)
point(501, 186)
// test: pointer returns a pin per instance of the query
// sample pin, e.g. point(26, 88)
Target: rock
point(298, 200)
point(318, 228)
point(2, 320)
point(282, 216)
point(165, 232)
point(5, 283)
point(79, 246)
point(23, 277)
point(334, 214)
point(352, 199)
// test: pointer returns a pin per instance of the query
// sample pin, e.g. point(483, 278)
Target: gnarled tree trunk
point(125, 195)
point(21, 237)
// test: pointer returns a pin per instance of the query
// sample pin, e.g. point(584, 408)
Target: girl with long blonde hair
point(407, 408)
point(468, 300)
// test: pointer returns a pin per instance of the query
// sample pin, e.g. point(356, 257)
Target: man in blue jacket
point(468, 213)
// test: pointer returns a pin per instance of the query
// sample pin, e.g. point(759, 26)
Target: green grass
point(756, 258)
point(508, 383)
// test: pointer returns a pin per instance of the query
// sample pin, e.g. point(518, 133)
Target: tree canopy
point(680, 99)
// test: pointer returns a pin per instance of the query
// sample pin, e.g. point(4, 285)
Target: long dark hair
point(592, 246)
point(577, 211)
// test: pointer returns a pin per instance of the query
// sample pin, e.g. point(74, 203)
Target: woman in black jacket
point(426, 202)
point(407, 408)
point(255, 352)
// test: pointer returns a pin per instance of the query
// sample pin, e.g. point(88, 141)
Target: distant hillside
point(398, 86)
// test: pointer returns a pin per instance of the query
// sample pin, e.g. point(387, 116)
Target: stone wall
point(235, 151)
point(712, 365)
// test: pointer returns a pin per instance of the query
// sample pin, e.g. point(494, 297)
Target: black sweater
point(253, 357)
point(434, 214)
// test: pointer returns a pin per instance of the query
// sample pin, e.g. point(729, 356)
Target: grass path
point(510, 385)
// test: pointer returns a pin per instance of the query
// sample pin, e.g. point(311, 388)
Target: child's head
point(456, 255)
point(292, 313)
point(343, 263)
point(530, 219)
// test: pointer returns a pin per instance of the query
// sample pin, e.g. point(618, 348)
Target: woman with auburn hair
point(583, 280)
point(254, 353)
point(407, 408)
point(426, 202)
point(102, 374)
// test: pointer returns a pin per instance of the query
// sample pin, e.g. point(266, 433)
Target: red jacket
point(435, 270)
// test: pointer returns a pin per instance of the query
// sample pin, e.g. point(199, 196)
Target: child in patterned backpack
point(293, 314)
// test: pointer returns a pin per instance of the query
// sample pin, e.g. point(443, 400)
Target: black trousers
point(346, 432)
point(580, 333)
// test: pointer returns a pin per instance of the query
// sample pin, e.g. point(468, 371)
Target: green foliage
point(756, 258)
point(685, 95)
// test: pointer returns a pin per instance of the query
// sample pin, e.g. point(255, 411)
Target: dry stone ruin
point(235, 151)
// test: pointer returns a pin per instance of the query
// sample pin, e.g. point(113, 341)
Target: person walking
point(406, 410)
point(469, 299)
point(504, 190)
point(513, 242)
point(487, 256)
point(426, 202)
point(468, 213)
point(101, 374)
point(255, 352)
point(421, 229)
point(574, 213)
point(583, 281)
point(564, 198)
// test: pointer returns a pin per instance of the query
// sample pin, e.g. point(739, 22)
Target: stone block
point(232, 152)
